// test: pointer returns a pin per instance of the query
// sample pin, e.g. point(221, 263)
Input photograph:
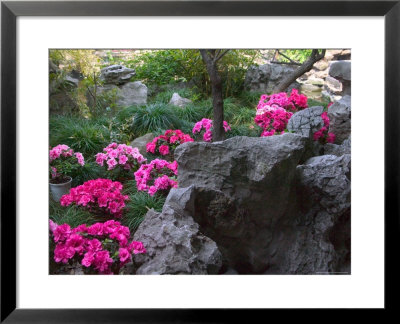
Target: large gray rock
point(177, 100)
point(341, 70)
point(116, 74)
point(129, 94)
point(174, 245)
point(242, 192)
point(321, 237)
point(265, 78)
point(340, 119)
point(306, 122)
point(140, 142)
point(338, 150)
point(132, 93)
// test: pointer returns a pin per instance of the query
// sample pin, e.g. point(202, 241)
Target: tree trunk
point(305, 67)
point(216, 91)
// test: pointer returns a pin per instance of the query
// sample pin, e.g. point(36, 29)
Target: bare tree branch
point(305, 67)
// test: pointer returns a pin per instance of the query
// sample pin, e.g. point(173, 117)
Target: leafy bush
point(171, 66)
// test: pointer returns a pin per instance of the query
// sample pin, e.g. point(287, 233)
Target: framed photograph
point(285, 198)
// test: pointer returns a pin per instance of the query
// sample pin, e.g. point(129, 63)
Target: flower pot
point(60, 189)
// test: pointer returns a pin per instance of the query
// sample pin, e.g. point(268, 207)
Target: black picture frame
point(9, 13)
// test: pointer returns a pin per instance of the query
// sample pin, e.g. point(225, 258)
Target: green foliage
point(249, 130)
point(137, 207)
point(90, 171)
point(166, 95)
point(313, 103)
point(154, 117)
point(82, 135)
point(72, 215)
point(297, 55)
point(172, 66)
point(249, 98)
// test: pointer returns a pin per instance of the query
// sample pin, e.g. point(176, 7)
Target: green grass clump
point(82, 135)
point(313, 103)
point(154, 117)
point(72, 215)
point(138, 205)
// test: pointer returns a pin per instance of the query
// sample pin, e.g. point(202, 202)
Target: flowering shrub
point(167, 143)
point(322, 135)
point(102, 247)
point(293, 103)
point(274, 111)
point(207, 125)
point(98, 196)
point(158, 175)
point(63, 161)
point(121, 155)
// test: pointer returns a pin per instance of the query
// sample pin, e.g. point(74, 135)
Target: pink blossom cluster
point(156, 176)
point(61, 155)
point(207, 125)
point(166, 144)
point(292, 103)
point(272, 119)
point(322, 135)
point(63, 150)
point(98, 194)
point(120, 154)
point(99, 246)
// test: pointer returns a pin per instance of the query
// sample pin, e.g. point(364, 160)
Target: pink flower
point(88, 259)
point(80, 158)
point(111, 164)
point(164, 149)
point(122, 159)
point(136, 247)
point(52, 225)
point(62, 232)
point(63, 253)
point(124, 254)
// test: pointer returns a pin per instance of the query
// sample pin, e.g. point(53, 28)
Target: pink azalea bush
point(101, 248)
point(274, 111)
point(99, 196)
point(157, 176)
point(120, 156)
point(206, 125)
point(167, 143)
point(322, 135)
point(63, 161)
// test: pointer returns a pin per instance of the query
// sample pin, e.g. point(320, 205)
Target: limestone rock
point(116, 74)
point(340, 119)
point(307, 121)
point(174, 245)
point(266, 77)
point(338, 150)
point(177, 100)
point(140, 142)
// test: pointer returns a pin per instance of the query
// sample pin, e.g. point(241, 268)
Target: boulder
point(340, 119)
point(306, 122)
point(341, 70)
point(177, 100)
point(332, 85)
point(321, 236)
point(241, 193)
point(132, 93)
point(265, 78)
point(116, 74)
point(140, 142)
point(338, 150)
point(129, 94)
point(174, 245)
